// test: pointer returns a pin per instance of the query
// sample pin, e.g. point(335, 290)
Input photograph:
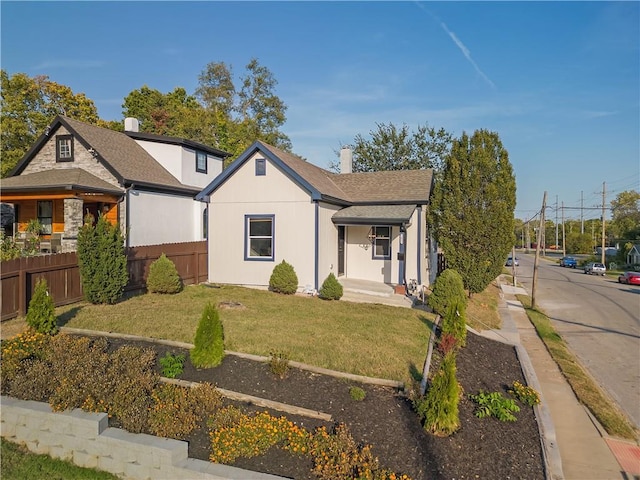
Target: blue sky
point(558, 81)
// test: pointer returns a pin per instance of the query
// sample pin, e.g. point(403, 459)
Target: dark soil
point(481, 448)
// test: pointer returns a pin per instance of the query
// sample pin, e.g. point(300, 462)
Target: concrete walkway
point(575, 446)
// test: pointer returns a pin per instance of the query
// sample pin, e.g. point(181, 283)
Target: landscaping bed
point(481, 448)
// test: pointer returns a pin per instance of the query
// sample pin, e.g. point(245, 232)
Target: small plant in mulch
point(358, 394)
point(279, 363)
point(172, 365)
point(41, 314)
point(494, 405)
point(527, 395)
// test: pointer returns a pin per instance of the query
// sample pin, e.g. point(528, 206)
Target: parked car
point(568, 262)
point(595, 269)
point(630, 278)
point(510, 262)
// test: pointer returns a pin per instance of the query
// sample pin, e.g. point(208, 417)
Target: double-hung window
point(201, 162)
point(259, 237)
point(64, 148)
point(45, 216)
point(382, 242)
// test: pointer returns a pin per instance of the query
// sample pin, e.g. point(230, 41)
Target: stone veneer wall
point(85, 439)
point(72, 223)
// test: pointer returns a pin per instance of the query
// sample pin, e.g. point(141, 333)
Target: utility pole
point(581, 212)
point(556, 244)
point(534, 280)
point(603, 200)
point(564, 249)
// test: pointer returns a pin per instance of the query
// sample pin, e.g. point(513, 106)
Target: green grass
point(366, 339)
point(482, 309)
point(585, 388)
point(20, 464)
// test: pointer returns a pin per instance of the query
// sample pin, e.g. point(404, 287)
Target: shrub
point(26, 346)
point(279, 363)
point(33, 382)
point(172, 365)
point(447, 289)
point(454, 323)
point(494, 405)
point(357, 394)
point(41, 314)
point(102, 261)
point(208, 350)
point(163, 276)
point(439, 407)
point(331, 289)
point(8, 248)
point(226, 417)
point(177, 411)
point(283, 279)
point(446, 343)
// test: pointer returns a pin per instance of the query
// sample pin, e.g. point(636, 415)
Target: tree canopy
point(397, 148)
point(28, 105)
point(625, 218)
point(472, 208)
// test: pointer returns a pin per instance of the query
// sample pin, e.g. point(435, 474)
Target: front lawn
point(366, 339)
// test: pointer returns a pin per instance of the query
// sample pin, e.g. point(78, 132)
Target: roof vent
point(131, 124)
point(346, 159)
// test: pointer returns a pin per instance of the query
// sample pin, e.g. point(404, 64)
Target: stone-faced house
point(270, 205)
point(145, 182)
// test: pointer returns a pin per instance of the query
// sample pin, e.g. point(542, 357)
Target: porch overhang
point(374, 215)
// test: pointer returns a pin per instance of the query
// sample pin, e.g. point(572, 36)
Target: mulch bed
point(482, 448)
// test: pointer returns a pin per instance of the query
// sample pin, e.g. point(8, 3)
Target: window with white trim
point(201, 162)
point(381, 242)
point(259, 237)
point(64, 148)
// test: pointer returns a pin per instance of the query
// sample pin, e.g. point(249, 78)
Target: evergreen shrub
point(102, 261)
point(283, 279)
point(447, 289)
point(41, 314)
point(439, 407)
point(454, 323)
point(208, 350)
point(163, 276)
point(331, 289)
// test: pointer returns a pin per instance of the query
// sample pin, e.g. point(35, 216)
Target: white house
point(145, 182)
point(270, 205)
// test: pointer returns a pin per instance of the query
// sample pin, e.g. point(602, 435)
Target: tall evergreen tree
point(472, 208)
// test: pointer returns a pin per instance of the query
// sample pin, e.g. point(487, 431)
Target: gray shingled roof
point(374, 214)
point(59, 179)
point(397, 186)
point(127, 159)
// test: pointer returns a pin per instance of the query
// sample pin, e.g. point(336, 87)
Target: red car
point(630, 278)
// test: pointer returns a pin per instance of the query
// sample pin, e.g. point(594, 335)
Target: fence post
point(22, 291)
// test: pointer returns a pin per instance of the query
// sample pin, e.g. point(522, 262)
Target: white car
point(510, 262)
point(595, 269)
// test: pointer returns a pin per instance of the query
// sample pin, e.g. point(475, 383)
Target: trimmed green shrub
point(41, 314)
point(454, 323)
point(439, 407)
point(163, 276)
point(356, 393)
point(447, 289)
point(208, 350)
point(102, 261)
point(283, 279)
point(331, 289)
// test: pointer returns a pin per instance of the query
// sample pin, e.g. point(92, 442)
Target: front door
point(341, 250)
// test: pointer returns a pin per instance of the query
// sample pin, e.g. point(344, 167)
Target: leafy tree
point(28, 105)
point(396, 148)
point(102, 261)
point(625, 221)
point(472, 208)
point(577, 242)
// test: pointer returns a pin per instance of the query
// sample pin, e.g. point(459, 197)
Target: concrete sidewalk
point(575, 446)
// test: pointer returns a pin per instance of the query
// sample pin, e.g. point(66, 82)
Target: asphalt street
point(600, 321)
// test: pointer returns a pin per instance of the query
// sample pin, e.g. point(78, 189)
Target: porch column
point(72, 223)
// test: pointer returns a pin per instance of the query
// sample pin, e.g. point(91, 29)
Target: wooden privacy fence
point(19, 276)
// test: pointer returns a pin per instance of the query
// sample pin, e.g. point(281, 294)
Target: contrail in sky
point(465, 51)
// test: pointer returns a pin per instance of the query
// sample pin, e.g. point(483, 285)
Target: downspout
point(419, 248)
point(127, 210)
point(316, 245)
point(403, 260)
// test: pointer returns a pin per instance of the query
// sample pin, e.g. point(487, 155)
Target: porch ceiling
point(374, 215)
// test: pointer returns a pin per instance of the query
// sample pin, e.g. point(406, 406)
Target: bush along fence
point(18, 277)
